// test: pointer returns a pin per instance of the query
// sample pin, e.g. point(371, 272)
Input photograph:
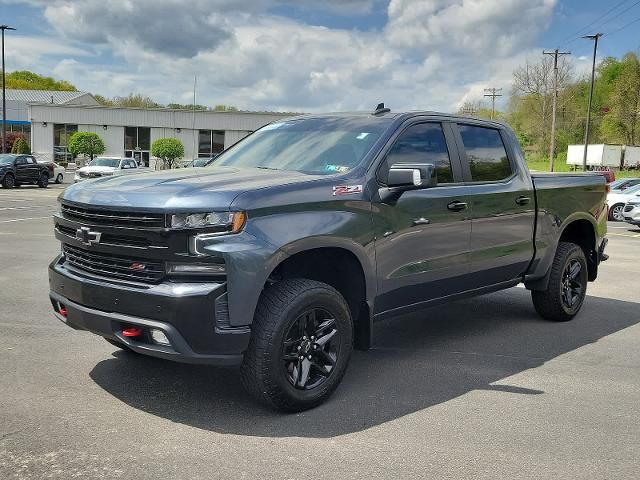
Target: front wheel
point(301, 341)
point(43, 181)
point(8, 181)
point(567, 288)
point(615, 213)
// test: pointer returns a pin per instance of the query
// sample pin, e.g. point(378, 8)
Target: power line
point(493, 96)
point(600, 17)
point(609, 20)
point(624, 26)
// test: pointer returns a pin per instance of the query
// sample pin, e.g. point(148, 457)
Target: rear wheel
point(567, 288)
point(9, 181)
point(300, 345)
point(615, 212)
point(43, 181)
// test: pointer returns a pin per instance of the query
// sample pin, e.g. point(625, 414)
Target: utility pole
point(552, 148)
point(593, 75)
point(493, 96)
point(4, 98)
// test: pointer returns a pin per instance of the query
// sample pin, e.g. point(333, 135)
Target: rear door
point(502, 204)
point(423, 237)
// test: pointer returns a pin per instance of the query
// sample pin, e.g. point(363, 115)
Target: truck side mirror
point(409, 176)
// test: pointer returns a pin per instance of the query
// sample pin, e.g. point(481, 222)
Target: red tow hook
point(62, 310)
point(131, 331)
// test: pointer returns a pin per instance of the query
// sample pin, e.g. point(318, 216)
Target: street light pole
point(593, 74)
point(4, 97)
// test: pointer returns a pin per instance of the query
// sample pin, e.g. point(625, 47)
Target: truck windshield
point(310, 145)
point(6, 159)
point(105, 162)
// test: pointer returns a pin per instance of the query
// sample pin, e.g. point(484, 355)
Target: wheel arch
point(341, 265)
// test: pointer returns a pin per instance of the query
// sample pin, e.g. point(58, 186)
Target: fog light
point(159, 337)
point(196, 268)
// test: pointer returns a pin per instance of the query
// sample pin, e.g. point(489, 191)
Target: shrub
point(86, 143)
point(167, 149)
point(20, 146)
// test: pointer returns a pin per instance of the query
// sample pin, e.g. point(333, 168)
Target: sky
point(307, 55)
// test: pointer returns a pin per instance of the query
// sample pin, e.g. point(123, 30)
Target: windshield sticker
point(362, 136)
point(347, 189)
point(335, 168)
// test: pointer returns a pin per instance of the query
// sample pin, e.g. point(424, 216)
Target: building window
point(137, 144)
point(61, 134)
point(210, 142)
point(20, 128)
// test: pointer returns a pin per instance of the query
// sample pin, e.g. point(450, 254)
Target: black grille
point(112, 266)
point(111, 218)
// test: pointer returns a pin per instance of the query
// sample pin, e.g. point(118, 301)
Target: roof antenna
point(380, 109)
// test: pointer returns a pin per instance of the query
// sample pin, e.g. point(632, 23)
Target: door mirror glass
point(412, 176)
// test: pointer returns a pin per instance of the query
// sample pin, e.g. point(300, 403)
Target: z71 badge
point(347, 189)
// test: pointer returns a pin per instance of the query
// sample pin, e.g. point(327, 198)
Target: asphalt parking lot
point(479, 388)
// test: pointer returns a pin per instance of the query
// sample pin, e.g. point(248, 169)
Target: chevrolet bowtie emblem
point(86, 236)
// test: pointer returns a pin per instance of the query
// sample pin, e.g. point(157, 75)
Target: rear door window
point(486, 154)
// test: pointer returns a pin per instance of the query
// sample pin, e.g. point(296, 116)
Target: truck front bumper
point(193, 317)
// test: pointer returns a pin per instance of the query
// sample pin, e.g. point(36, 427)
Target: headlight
point(228, 222)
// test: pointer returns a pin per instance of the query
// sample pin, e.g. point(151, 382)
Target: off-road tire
point(9, 181)
point(549, 303)
point(262, 372)
point(43, 181)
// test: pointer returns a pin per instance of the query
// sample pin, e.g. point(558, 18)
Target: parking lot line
point(24, 219)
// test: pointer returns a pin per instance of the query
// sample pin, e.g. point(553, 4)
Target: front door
point(422, 238)
point(23, 172)
point(502, 204)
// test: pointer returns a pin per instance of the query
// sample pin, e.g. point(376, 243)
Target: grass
point(542, 165)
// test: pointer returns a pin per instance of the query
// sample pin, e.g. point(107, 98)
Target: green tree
point(86, 143)
point(25, 80)
point(20, 146)
point(167, 149)
point(225, 108)
point(186, 106)
point(621, 120)
point(135, 100)
point(104, 101)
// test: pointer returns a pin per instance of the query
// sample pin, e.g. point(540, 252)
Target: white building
point(18, 105)
point(130, 132)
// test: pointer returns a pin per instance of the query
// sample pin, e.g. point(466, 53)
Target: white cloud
point(431, 54)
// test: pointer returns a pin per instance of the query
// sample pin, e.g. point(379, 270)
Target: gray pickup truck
point(280, 256)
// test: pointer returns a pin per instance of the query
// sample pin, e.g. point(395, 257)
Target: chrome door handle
point(522, 200)
point(457, 206)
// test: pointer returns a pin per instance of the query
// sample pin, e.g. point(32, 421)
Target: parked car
point(631, 212)
point(616, 201)
point(16, 170)
point(198, 162)
point(58, 171)
point(106, 167)
point(621, 185)
point(280, 256)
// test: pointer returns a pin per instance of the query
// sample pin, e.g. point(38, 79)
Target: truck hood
point(90, 168)
point(200, 189)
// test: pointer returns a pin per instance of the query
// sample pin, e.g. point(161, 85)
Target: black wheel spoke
point(574, 270)
point(309, 355)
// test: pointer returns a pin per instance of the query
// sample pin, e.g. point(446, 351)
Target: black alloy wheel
point(572, 285)
point(310, 349)
point(8, 181)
